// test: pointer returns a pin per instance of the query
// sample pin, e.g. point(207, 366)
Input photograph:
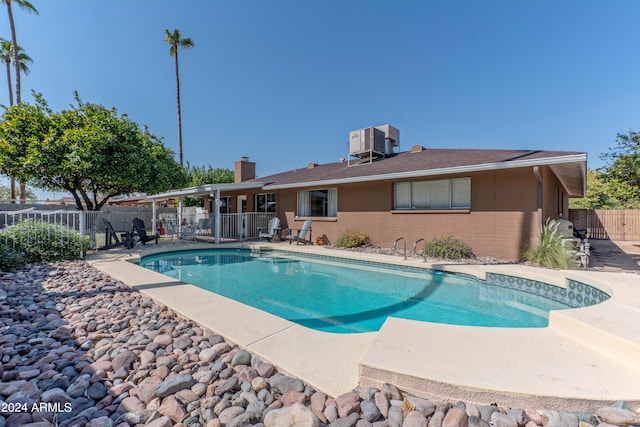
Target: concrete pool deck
point(585, 359)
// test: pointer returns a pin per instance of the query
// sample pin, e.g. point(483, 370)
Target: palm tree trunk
point(178, 106)
point(8, 61)
point(14, 40)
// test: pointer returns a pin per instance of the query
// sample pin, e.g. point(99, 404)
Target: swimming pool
point(336, 295)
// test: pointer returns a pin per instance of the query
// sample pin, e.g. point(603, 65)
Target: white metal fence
point(234, 226)
point(242, 226)
point(87, 223)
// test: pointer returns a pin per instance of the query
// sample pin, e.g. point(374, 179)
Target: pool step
point(615, 335)
point(535, 367)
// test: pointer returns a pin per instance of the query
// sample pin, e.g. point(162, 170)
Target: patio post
point(180, 227)
point(217, 216)
point(154, 220)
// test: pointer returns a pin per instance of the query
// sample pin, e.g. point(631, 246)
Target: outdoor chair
point(187, 231)
point(111, 239)
point(301, 236)
point(141, 231)
point(272, 232)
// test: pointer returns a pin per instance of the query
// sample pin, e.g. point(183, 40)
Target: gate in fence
point(614, 224)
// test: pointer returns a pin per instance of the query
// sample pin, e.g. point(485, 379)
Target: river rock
point(502, 420)
point(295, 415)
point(559, 419)
point(424, 406)
point(478, 422)
point(175, 384)
point(281, 383)
point(415, 419)
point(456, 417)
point(173, 409)
point(242, 357)
point(616, 416)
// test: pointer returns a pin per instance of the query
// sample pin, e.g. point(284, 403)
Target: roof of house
point(570, 167)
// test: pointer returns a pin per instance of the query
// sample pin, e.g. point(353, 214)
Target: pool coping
point(587, 357)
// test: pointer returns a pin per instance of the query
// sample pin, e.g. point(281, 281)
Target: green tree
point(598, 195)
point(88, 150)
point(622, 170)
point(28, 7)
point(175, 40)
point(201, 175)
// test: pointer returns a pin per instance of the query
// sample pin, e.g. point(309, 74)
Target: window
point(320, 203)
point(225, 205)
point(265, 202)
point(436, 194)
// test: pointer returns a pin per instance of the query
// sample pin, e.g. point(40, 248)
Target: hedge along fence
point(86, 223)
point(36, 240)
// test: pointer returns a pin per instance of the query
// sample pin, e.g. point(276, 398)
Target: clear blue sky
point(284, 82)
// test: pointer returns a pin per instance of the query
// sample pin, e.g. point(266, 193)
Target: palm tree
point(28, 7)
point(6, 51)
point(175, 40)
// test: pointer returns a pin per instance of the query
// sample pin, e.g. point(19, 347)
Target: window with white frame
point(452, 193)
point(265, 202)
point(318, 203)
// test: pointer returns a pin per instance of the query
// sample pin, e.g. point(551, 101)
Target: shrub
point(9, 259)
point(41, 241)
point(352, 238)
point(448, 248)
point(550, 250)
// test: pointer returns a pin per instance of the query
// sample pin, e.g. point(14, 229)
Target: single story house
point(493, 200)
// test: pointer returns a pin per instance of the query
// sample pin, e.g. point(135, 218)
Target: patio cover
point(212, 190)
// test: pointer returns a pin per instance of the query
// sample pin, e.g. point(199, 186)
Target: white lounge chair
point(301, 236)
point(273, 228)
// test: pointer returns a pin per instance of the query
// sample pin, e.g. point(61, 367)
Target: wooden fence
point(613, 224)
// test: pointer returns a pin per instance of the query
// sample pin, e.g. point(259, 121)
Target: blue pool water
point(341, 296)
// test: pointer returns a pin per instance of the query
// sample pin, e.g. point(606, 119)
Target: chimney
point(244, 170)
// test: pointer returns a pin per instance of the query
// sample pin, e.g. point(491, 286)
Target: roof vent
point(311, 165)
point(417, 148)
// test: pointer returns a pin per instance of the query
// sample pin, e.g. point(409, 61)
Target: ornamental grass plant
point(550, 250)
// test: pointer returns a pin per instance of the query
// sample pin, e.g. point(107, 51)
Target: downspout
point(536, 172)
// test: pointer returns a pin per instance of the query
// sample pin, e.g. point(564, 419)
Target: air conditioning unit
point(366, 140)
point(373, 143)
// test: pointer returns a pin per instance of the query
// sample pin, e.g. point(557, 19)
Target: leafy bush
point(41, 241)
point(9, 259)
point(448, 248)
point(550, 250)
point(352, 238)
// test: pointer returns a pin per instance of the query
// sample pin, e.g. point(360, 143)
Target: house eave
point(205, 190)
point(574, 158)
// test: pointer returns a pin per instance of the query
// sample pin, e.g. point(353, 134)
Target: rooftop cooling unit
point(372, 143)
